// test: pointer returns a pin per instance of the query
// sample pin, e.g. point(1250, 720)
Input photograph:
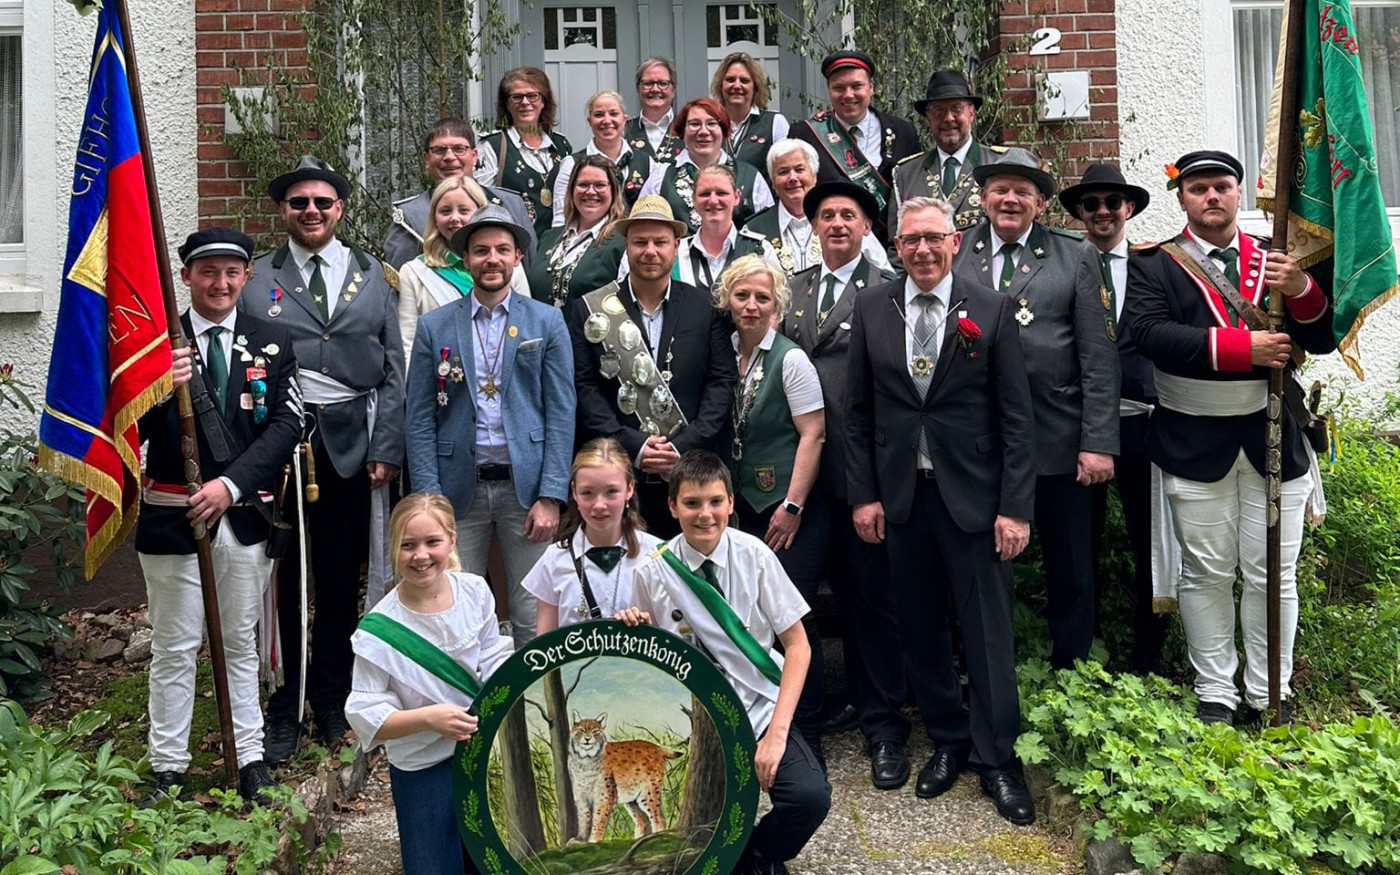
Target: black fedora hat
point(812, 200)
point(309, 167)
point(1103, 177)
point(489, 216)
point(1017, 162)
point(947, 85)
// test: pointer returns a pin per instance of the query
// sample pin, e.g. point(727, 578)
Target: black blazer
point(903, 141)
point(696, 337)
point(977, 414)
point(262, 449)
point(1171, 322)
point(1134, 370)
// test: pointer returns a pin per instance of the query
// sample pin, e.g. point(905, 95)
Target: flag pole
point(1284, 162)
point(189, 446)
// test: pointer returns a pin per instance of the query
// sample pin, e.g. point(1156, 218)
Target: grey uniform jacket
point(359, 347)
point(920, 176)
point(410, 220)
point(1073, 365)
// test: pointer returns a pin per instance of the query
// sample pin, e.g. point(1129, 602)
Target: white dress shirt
point(843, 280)
point(333, 271)
point(801, 385)
point(656, 131)
point(541, 158)
point(200, 326)
point(554, 580)
point(997, 244)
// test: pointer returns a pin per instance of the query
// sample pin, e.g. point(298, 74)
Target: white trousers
point(177, 630)
point(496, 509)
point(1220, 527)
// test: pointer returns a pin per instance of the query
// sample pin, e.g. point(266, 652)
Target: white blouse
point(554, 580)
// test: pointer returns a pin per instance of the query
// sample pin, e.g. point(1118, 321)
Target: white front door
point(580, 58)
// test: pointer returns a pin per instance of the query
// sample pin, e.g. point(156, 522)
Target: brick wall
point(235, 40)
point(1088, 42)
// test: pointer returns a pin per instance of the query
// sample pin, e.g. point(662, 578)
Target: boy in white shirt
point(726, 591)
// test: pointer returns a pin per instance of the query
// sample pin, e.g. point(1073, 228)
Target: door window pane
point(11, 142)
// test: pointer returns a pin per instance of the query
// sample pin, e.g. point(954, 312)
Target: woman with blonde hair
point(582, 254)
point(741, 87)
point(606, 119)
point(704, 255)
point(438, 276)
point(524, 154)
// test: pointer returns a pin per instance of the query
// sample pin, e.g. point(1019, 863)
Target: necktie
point(1230, 255)
point(828, 300)
point(926, 338)
point(605, 558)
point(1008, 266)
point(950, 175)
point(855, 137)
point(1106, 264)
point(318, 288)
point(709, 571)
point(218, 365)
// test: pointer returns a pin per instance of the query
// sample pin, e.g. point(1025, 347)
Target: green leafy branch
point(742, 770)
point(736, 824)
point(471, 812)
point(485, 706)
point(726, 707)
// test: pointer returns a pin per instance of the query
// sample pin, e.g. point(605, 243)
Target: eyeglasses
point(696, 124)
point(1091, 203)
point(301, 203)
point(582, 185)
point(912, 241)
point(656, 84)
point(955, 109)
point(458, 149)
point(525, 97)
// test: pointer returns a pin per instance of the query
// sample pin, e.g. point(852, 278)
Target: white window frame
point(12, 255)
point(1219, 44)
point(22, 278)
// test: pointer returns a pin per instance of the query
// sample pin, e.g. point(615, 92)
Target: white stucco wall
point(57, 53)
point(1176, 92)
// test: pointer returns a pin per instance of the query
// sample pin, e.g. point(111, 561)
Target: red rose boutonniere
point(968, 331)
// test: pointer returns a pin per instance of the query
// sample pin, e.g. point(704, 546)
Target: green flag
point(1335, 209)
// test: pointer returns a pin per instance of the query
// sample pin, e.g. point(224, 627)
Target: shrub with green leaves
point(1132, 751)
point(1358, 546)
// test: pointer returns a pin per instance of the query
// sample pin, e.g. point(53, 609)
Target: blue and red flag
point(111, 355)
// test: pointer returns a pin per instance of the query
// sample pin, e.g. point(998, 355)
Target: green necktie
point(711, 575)
point(1106, 264)
point(828, 299)
point(605, 558)
point(1008, 266)
point(318, 288)
point(218, 365)
point(950, 175)
point(1230, 256)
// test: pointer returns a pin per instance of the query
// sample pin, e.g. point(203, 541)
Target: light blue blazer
point(538, 407)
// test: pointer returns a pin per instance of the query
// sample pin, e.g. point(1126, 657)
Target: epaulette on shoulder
point(391, 276)
point(821, 115)
point(1000, 150)
point(807, 270)
point(1145, 248)
point(752, 235)
point(910, 158)
point(407, 199)
point(1073, 235)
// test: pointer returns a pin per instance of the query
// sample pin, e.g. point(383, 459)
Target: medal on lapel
point(276, 309)
point(1024, 316)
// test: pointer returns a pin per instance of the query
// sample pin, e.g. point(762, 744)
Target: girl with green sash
point(524, 154)
point(438, 277)
point(421, 656)
point(583, 254)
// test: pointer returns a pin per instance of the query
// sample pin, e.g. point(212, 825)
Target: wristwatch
point(792, 507)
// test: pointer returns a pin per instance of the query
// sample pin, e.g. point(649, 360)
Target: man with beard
point(945, 171)
point(819, 320)
point(449, 149)
point(490, 417)
point(1104, 202)
point(855, 141)
point(341, 310)
point(1073, 371)
point(675, 341)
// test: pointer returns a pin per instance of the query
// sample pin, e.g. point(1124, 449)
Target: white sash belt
point(318, 388)
point(1210, 397)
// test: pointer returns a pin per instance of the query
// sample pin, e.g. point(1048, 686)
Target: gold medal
point(546, 197)
point(921, 365)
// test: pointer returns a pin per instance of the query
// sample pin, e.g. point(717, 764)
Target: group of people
point(589, 370)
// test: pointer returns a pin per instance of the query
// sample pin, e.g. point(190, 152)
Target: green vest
point(744, 175)
point(636, 137)
point(534, 187)
point(594, 269)
point(769, 438)
point(758, 139)
point(633, 171)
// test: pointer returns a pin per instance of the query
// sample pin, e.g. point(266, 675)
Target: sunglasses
point(1091, 203)
point(301, 203)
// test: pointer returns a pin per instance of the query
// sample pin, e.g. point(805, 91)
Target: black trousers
point(1132, 474)
point(338, 526)
point(651, 501)
point(1063, 511)
point(801, 798)
point(935, 564)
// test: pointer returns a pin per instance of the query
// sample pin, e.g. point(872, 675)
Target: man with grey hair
point(650, 131)
point(940, 456)
point(792, 167)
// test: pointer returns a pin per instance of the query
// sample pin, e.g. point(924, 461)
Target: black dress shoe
point(253, 779)
point(1215, 712)
point(840, 721)
point(938, 775)
point(331, 726)
point(280, 741)
point(1009, 794)
point(163, 784)
point(1261, 717)
point(889, 765)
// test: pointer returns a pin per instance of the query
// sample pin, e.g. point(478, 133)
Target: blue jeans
point(429, 843)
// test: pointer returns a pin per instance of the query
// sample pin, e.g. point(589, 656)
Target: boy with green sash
point(726, 592)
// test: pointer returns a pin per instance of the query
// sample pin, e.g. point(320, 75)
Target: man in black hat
point(819, 320)
point(855, 141)
point(341, 310)
point(243, 382)
point(945, 171)
point(449, 150)
point(1073, 371)
point(491, 407)
point(1104, 201)
point(1195, 313)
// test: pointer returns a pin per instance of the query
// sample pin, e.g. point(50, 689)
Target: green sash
point(837, 142)
point(455, 272)
point(724, 615)
point(421, 651)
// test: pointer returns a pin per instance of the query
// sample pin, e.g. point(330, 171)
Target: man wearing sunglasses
point(341, 310)
point(1104, 201)
point(1073, 371)
point(449, 150)
point(242, 371)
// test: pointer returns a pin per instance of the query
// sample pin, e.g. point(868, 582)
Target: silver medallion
point(643, 371)
point(629, 336)
point(595, 328)
point(613, 304)
point(650, 427)
point(275, 310)
point(661, 403)
point(609, 365)
point(443, 368)
point(627, 398)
